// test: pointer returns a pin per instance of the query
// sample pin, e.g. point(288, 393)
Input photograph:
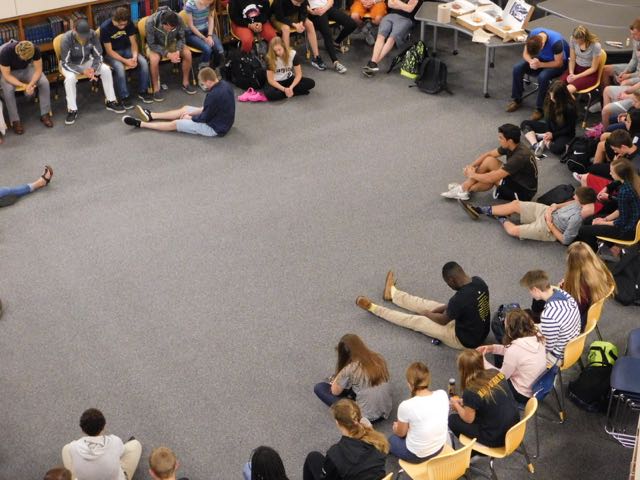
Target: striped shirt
point(200, 15)
point(559, 322)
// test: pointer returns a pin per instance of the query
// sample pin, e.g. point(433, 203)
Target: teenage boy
point(81, 54)
point(560, 319)
point(163, 464)
point(545, 56)
point(393, 30)
point(213, 119)
point(462, 323)
point(165, 34)
point(559, 222)
point(516, 179)
point(376, 9)
point(118, 35)
point(624, 146)
point(98, 456)
point(21, 67)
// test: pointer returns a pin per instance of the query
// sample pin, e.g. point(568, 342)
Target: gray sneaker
point(189, 89)
point(158, 96)
point(340, 68)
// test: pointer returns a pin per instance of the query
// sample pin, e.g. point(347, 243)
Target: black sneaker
point(144, 113)
point(469, 209)
point(318, 63)
point(115, 107)
point(131, 121)
point(189, 89)
point(158, 96)
point(71, 117)
point(126, 103)
point(371, 67)
point(145, 97)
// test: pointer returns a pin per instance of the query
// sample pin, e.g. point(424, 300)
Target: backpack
point(626, 274)
point(244, 70)
point(590, 391)
point(432, 78)
point(412, 60)
point(602, 353)
point(558, 194)
point(397, 60)
point(579, 153)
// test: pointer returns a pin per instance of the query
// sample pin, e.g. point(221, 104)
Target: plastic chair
point(450, 464)
point(633, 343)
point(388, 476)
point(57, 49)
point(624, 402)
point(595, 312)
point(543, 385)
point(626, 243)
point(589, 90)
point(513, 441)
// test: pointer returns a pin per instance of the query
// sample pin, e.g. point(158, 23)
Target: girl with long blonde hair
point(284, 73)
point(585, 52)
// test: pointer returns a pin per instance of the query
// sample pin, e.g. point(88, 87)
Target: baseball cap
point(82, 28)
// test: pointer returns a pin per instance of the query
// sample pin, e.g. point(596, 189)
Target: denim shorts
point(195, 128)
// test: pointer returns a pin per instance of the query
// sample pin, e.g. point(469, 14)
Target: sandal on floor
point(49, 170)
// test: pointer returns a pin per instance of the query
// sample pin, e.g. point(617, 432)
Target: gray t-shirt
point(375, 402)
point(584, 58)
point(568, 220)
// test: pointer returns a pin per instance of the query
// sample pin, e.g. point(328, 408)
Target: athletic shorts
point(195, 128)
point(620, 106)
point(378, 10)
point(621, 68)
point(396, 26)
point(510, 190)
point(533, 226)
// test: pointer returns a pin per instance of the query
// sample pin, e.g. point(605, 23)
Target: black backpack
point(244, 70)
point(432, 77)
point(579, 153)
point(590, 391)
point(626, 274)
point(558, 194)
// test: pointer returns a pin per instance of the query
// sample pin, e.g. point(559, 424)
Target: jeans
point(323, 392)
point(246, 471)
point(196, 42)
point(8, 195)
point(398, 447)
point(545, 76)
point(120, 74)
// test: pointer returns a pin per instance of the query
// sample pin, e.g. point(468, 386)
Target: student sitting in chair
point(585, 52)
point(214, 119)
point(200, 31)
point(250, 18)
point(321, 12)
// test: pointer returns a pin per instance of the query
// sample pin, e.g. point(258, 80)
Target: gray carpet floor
point(194, 289)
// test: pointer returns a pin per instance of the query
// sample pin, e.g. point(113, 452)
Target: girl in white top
point(421, 430)
point(284, 73)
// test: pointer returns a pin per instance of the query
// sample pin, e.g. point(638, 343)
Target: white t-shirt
point(284, 71)
point(428, 419)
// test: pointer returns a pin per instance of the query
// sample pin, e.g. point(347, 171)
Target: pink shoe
point(247, 96)
point(595, 131)
point(258, 97)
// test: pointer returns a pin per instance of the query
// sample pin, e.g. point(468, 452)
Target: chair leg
point(535, 426)
point(586, 111)
point(493, 470)
point(598, 330)
point(560, 397)
point(530, 466)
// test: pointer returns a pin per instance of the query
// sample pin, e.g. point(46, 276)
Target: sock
point(372, 308)
point(502, 220)
point(393, 290)
point(485, 210)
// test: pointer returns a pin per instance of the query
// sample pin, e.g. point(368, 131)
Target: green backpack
point(602, 353)
point(412, 59)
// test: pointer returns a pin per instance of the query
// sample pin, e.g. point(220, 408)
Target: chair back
point(595, 310)
point(142, 31)
point(450, 465)
point(573, 350)
point(57, 45)
point(515, 435)
point(544, 383)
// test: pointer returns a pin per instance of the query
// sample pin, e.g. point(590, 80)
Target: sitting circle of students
point(607, 203)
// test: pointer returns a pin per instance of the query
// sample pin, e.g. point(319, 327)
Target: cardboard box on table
point(512, 22)
point(479, 18)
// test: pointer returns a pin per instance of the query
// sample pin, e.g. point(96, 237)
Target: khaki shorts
point(532, 223)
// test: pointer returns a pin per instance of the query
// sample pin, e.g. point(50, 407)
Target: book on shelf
point(8, 31)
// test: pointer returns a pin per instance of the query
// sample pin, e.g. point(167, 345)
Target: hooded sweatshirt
point(97, 458)
point(160, 41)
point(352, 459)
point(73, 53)
point(524, 361)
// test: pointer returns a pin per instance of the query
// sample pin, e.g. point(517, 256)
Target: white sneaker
point(456, 193)
point(539, 149)
point(577, 176)
point(451, 186)
point(595, 108)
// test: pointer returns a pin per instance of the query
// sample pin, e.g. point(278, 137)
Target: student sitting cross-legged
point(284, 73)
point(163, 464)
point(421, 430)
point(462, 323)
point(214, 119)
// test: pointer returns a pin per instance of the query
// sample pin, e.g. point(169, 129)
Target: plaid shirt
point(629, 208)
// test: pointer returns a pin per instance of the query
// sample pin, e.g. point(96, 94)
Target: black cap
point(82, 28)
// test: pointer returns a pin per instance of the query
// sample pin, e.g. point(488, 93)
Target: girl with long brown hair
point(487, 409)
point(361, 374)
point(421, 430)
point(360, 453)
point(523, 352)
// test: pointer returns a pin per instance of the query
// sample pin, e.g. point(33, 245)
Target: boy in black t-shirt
point(462, 323)
point(118, 36)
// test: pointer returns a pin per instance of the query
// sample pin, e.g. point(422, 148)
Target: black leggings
point(588, 234)
point(557, 145)
point(322, 25)
point(313, 464)
point(302, 88)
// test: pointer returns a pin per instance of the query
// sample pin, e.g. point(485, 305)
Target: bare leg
point(489, 164)
point(386, 48)
point(506, 209)
point(377, 48)
point(599, 156)
point(312, 37)
point(512, 229)
point(583, 180)
point(160, 126)
point(170, 115)
point(285, 31)
point(572, 89)
point(531, 137)
point(154, 66)
point(186, 65)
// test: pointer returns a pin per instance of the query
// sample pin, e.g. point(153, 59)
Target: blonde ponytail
point(348, 415)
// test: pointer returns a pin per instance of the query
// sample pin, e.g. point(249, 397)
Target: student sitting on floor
point(584, 60)
point(559, 125)
point(630, 121)
point(360, 453)
point(9, 195)
point(545, 56)
point(323, 12)
point(265, 464)
point(250, 19)
point(58, 473)
point(516, 179)
point(81, 54)
point(393, 30)
point(214, 119)
point(163, 464)
point(165, 36)
point(200, 31)
point(291, 16)
point(487, 409)
point(546, 223)
point(462, 323)
point(284, 73)
point(361, 374)
point(97, 456)
point(560, 318)
point(421, 430)
point(524, 357)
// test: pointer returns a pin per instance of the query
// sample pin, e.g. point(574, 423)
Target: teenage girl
point(284, 73)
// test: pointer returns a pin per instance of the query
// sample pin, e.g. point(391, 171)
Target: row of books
point(8, 31)
point(49, 63)
point(103, 12)
point(46, 31)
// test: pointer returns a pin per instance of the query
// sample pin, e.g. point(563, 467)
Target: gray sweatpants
point(25, 76)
